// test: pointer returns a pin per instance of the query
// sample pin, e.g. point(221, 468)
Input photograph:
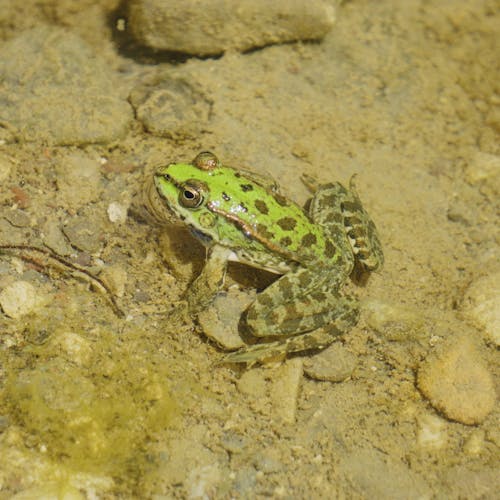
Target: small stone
point(268, 461)
point(54, 238)
point(233, 443)
point(78, 180)
point(253, 383)
point(220, 321)
point(393, 321)
point(117, 212)
point(457, 383)
point(83, 235)
point(202, 481)
point(204, 27)
point(474, 444)
point(116, 278)
point(18, 299)
point(431, 432)
point(334, 364)
point(482, 305)
point(171, 106)
point(285, 389)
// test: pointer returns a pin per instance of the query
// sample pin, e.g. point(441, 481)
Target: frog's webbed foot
point(318, 339)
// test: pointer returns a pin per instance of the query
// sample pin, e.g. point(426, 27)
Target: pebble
point(204, 27)
point(220, 321)
point(54, 238)
point(253, 383)
point(475, 444)
point(17, 217)
point(394, 322)
point(50, 92)
point(78, 180)
point(117, 212)
point(284, 391)
point(171, 106)
point(334, 364)
point(116, 278)
point(83, 234)
point(456, 381)
point(202, 481)
point(18, 299)
point(482, 305)
point(431, 433)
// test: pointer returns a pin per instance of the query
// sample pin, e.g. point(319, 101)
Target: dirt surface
point(98, 405)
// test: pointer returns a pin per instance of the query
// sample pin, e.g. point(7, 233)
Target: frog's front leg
point(203, 289)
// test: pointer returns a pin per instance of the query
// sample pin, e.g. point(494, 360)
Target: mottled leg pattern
point(346, 316)
point(296, 303)
point(304, 309)
point(349, 224)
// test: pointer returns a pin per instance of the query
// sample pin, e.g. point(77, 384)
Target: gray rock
point(83, 234)
point(334, 364)
point(482, 305)
point(56, 89)
point(171, 106)
point(207, 27)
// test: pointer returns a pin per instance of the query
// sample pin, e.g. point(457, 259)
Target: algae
point(95, 412)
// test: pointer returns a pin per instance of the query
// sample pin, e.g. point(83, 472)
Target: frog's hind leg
point(341, 213)
point(316, 339)
point(361, 231)
point(310, 320)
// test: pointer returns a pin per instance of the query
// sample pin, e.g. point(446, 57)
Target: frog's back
point(263, 215)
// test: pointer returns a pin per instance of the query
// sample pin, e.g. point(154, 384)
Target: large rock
point(208, 27)
point(456, 381)
point(56, 89)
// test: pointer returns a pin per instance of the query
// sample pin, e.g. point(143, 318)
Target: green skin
point(242, 217)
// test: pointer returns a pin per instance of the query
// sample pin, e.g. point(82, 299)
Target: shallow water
point(405, 96)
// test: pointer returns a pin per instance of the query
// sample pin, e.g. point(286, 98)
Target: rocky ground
point(97, 402)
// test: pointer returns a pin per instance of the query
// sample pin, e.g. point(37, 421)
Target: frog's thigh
point(285, 309)
point(317, 339)
point(203, 289)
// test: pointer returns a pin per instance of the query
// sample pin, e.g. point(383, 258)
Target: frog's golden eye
point(191, 194)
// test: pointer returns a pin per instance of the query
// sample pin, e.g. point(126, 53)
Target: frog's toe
point(317, 339)
point(256, 353)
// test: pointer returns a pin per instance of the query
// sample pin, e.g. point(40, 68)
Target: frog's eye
point(191, 194)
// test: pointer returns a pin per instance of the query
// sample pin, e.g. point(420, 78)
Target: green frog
point(241, 216)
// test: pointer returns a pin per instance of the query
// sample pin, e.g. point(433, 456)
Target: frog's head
point(184, 189)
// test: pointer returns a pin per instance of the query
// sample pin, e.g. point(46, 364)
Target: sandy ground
point(406, 95)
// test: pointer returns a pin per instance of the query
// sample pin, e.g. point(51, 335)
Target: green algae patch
point(92, 403)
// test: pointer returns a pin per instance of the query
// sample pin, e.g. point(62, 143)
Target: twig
point(76, 269)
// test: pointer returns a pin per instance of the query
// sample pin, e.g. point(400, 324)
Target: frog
point(242, 216)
